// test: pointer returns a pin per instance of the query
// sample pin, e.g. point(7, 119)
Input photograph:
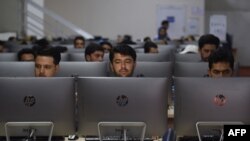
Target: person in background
point(221, 63)
point(41, 45)
point(79, 42)
point(107, 46)
point(147, 39)
point(94, 53)
point(12, 39)
point(127, 39)
point(207, 43)
point(150, 47)
point(163, 31)
point(122, 60)
point(3, 47)
point(47, 62)
point(26, 54)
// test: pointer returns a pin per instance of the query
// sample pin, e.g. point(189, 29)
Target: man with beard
point(122, 61)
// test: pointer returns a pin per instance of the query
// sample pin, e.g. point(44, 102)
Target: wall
point(11, 16)
point(238, 18)
point(112, 17)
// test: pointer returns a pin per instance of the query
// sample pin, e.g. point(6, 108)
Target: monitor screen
point(210, 99)
point(31, 99)
point(116, 99)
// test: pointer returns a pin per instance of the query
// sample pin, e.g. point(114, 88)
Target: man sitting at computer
point(26, 54)
point(94, 53)
point(221, 63)
point(122, 61)
point(47, 62)
point(207, 44)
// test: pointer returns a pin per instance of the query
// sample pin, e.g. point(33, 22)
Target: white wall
point(11, 16)
point(112, 17)
point(238, 18)
point(34, 27)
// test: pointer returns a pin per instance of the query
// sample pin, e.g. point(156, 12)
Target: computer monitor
point(196, 69)
point(76, 57)
point(191, 57)
point(116, 99)
point(211, 100)
point(165, 56)
point(16, 47)
point(190, 69)
point(31, 99)
point(76, 50)
point(8, 57)
point(64, 57)
point(17, 69)
point(82, 69)
point(153, 69)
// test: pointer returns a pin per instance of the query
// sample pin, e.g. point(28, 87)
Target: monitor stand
point(29, 130)
point(218, 124)
point(124, 130)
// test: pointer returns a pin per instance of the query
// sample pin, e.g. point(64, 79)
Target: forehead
point(153, 48)
point(106, 46)
point(221, 66)
point(44, 60)
point(119, 56)
point(98, 52)
point(27, 54)
point(209, 47)
point(79, 40)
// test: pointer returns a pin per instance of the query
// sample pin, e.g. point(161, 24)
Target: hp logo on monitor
point(219, 100)
point(122, 100)
point(29, 101)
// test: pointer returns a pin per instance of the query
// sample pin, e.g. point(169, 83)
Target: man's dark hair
point(91, 48)
point(149, 45)
point(25, 51)
point(127, 39)
point(2, 45)
point(165, 22)
point(79, 38)
point(147, 39)
point(50, 52)
point(43, 42)
point(124, 50)
point(106, 43)
point(208, 39)
point(221, 55)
